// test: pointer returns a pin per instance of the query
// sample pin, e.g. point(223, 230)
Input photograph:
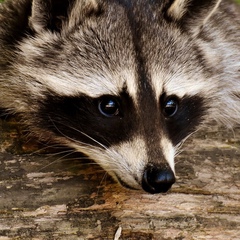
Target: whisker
point(68, 152)
point(92, 150)
point(63, 157)
point(74, 140)
point(101, 183)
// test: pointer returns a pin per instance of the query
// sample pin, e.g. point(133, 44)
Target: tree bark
point(57, 196)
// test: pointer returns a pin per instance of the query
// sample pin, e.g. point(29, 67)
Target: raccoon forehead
point(75, 71)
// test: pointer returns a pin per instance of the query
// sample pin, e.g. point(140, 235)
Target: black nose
point(157, 179)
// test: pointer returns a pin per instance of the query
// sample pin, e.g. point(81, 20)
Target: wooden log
point(46, 196)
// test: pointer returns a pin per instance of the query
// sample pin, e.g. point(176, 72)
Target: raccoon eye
point(109, 107)
point(170, 107)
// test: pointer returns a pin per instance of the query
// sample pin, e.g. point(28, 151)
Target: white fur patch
point(125, 161)
point(182, 82)
point(131, 160)
point(67, 84)
point(157, 82)
point(168, 152)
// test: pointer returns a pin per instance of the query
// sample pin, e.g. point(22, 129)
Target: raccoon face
point(115, 83)
point(134, 143)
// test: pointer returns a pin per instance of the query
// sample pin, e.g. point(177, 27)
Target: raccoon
point(124, 82)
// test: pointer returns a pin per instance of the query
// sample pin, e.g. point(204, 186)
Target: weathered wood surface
point(44, 196)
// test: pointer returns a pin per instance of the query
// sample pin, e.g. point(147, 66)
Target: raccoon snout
point(157, 179)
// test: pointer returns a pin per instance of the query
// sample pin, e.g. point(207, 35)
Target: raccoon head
point(122, 85)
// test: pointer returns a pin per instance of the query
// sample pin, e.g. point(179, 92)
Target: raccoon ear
point(192, 13)
point(48, 14)
point(58, 15)
point(81, 10)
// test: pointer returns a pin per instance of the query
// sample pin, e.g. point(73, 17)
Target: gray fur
point(95, 48)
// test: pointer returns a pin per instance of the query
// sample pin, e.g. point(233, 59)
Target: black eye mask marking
point(108, 119)
point(182, 116)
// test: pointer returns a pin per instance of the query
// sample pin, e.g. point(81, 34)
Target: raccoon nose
point(157, 179)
